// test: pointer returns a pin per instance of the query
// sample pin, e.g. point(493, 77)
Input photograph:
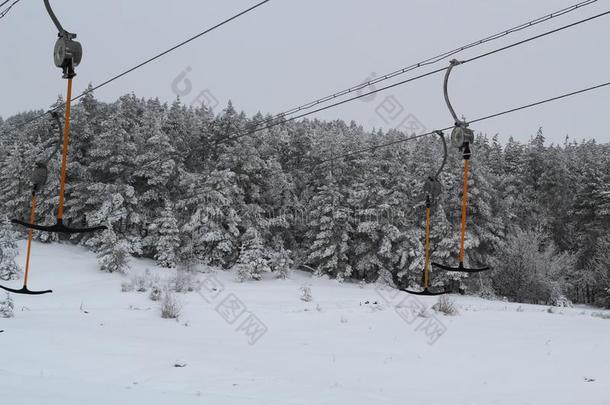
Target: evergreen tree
point(169, 239)
point(592, 216)
point(178, 127)
point(376, 231)
point(14, 180)
point(280, 261)
point(8, 251)
point(7, 307)
point(213, 203)
point(601, 270)
point(113, 254)
point(330, 232)
point(253, 257)
point(156, 166)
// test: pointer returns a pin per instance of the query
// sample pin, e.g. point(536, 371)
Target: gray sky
point(292, 51)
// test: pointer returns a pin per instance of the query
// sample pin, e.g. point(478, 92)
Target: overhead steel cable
point(173, 48)
point(484, 118)
point(280, 118)
point(356, 97)
point(437, 58)
point(544, 34)
point(5, 11)
point(147, 61)
point(385, 77)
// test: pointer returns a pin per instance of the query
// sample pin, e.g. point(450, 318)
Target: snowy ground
point(89, 343)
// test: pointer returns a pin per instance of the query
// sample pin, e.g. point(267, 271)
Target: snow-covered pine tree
point(168, 244)
point(555, 201)
point(514, 185)
point(375, 233)
point(486, 226)
point(7, 307)
point(85, 127)
point(179, 128)
point(116, 207)
point(228, 124)
point(9, 269)
point(197, 158)
point(534, 166)
point(601, 269)
point(156, 167)
point(111, 196)
point(330, 232)
point(280, 261)
point(113, 253)
point(14, 180)
point(212, 203)
point(253, 257)
point(591, 212)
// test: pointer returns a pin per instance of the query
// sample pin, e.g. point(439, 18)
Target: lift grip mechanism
point(67, 53)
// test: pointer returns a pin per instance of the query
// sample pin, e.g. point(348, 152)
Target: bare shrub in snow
point(127, 286)
point(601, 315)
point(170, 306)
point(151, 279)
point(306, 294)
point(155, 293)
point(7, 307)
point(140, 283)
point(445, 305)
point(184, 281)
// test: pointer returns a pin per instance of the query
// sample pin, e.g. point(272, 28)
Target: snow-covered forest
point(179, 185)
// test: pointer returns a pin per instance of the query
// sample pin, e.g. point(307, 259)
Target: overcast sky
point(292, 51)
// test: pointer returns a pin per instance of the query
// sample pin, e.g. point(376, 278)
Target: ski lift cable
point(437, 58)
point(544, 34)
point(5, 12)
point(484, 118)
point(181, 44)
point(147, 61)
point(385, 77)
point(283, 120)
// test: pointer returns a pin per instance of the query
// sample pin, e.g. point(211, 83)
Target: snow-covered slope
point(90, 343)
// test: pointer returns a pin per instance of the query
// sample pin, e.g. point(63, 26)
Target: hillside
point(91, 343)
